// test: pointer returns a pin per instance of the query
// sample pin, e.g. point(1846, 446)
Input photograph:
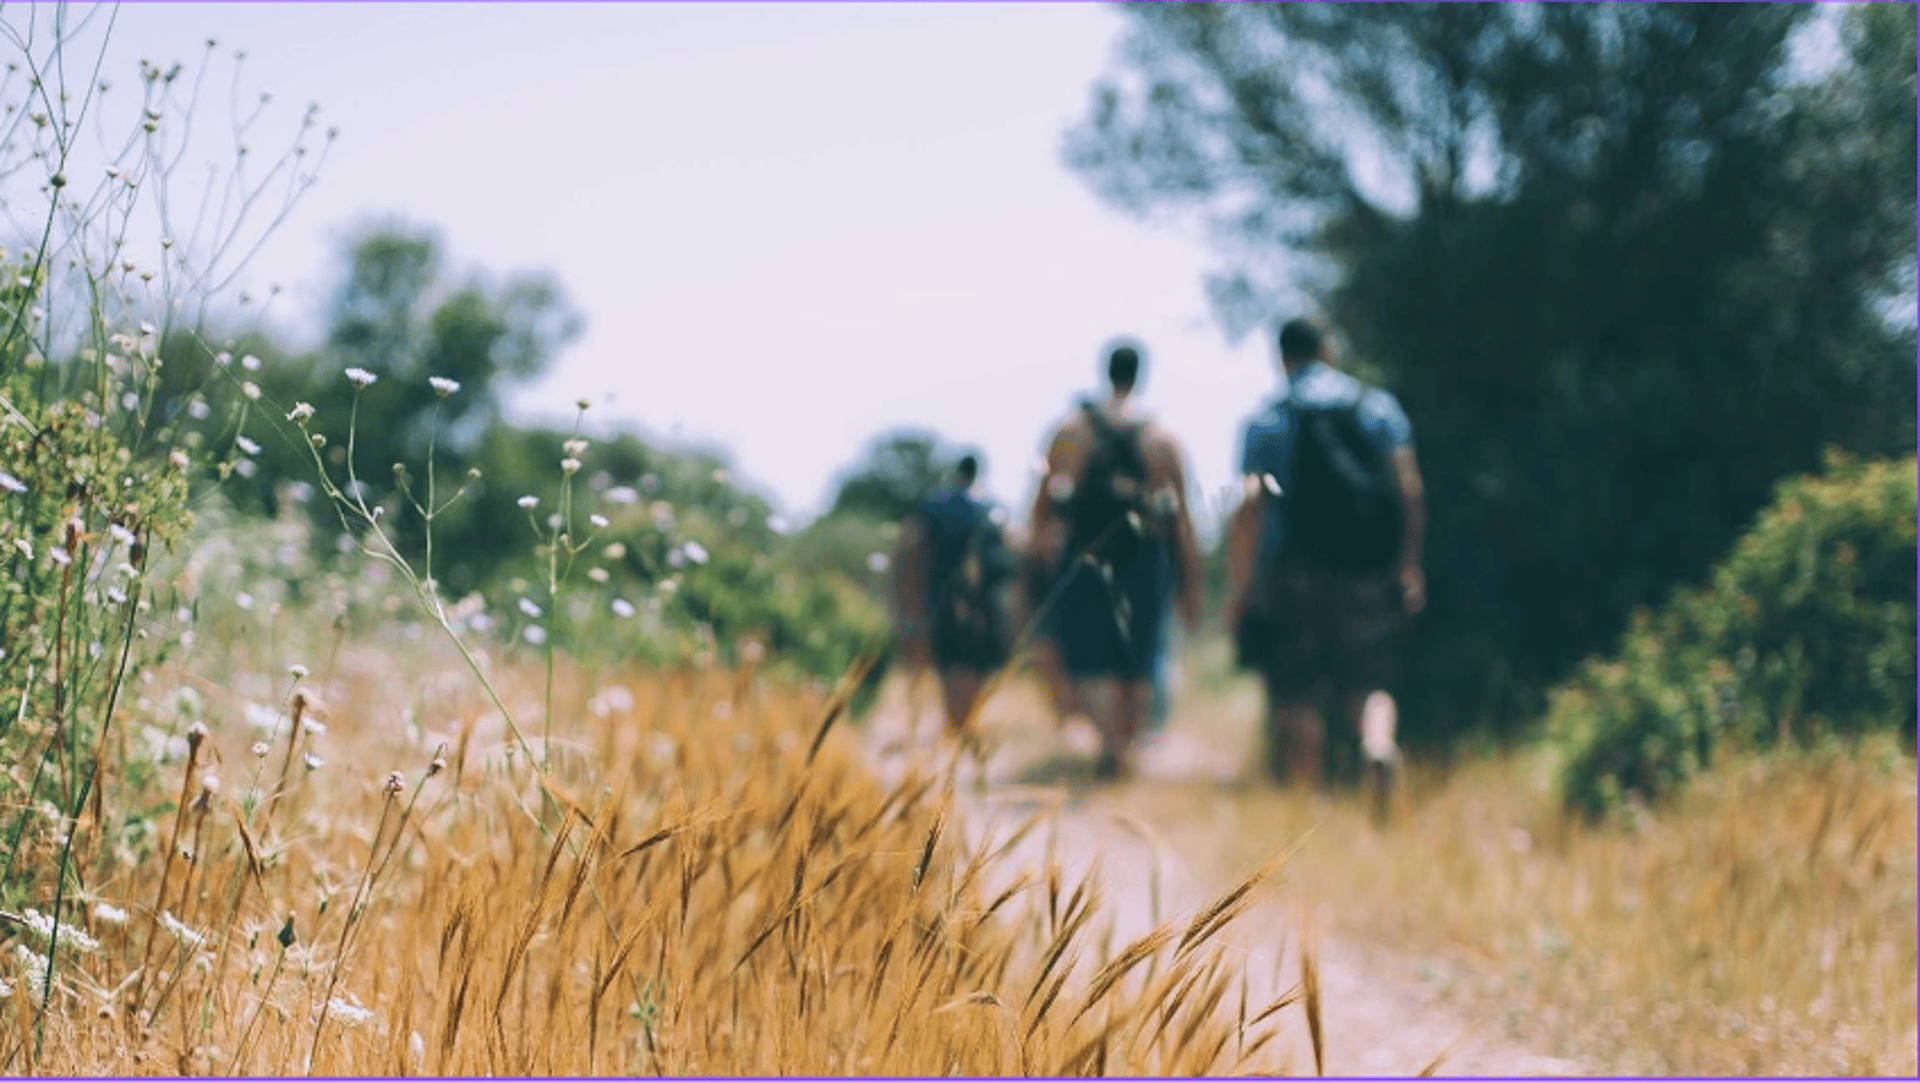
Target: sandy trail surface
point(1154, 845)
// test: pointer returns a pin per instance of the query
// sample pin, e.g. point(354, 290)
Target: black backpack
point(1108, 512)
point(1343, 509)
point(969, 563)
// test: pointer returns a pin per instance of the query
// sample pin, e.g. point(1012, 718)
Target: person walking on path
point(1111, 518)
point(953, 564)
point(1324, 557)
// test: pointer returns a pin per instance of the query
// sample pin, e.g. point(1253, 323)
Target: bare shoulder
point(1161, 445)
point(1068, 438)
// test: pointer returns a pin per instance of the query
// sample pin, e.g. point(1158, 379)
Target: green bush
point(1805, 631)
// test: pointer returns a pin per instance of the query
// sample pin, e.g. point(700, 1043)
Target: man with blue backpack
point(1323, 557)
point(955, 567)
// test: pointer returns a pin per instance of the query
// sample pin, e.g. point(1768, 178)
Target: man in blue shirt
point(953, 564)
point(1304, 624)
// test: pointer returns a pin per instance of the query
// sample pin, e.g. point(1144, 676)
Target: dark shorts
point(970, 633)
point(1108, 618)
point(1307, 631)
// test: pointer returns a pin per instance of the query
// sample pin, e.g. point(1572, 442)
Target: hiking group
point(1322, 565)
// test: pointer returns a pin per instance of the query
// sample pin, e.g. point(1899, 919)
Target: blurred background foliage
point(1626, 266)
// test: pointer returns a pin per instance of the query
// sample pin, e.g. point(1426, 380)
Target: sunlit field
point(369, 707)
point(1761, 923)
point(703, 883)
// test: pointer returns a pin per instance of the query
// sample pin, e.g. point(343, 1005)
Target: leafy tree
point(893, 475)
point(1624, 266)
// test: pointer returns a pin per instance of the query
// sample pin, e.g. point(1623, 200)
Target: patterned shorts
point(1305, 631)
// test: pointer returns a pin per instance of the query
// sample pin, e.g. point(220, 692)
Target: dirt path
point(1383, 1012)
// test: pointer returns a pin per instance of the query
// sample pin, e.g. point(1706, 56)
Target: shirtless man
point(1111, 519)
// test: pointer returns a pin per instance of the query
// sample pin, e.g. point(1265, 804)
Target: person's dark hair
point(1123, 367)
point(1301, 338)
point(967, 469)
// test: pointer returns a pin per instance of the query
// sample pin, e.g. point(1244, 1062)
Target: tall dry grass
point(708, 882)
point(1761, 922)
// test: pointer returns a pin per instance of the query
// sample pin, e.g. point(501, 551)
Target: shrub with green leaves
point(1805, 632)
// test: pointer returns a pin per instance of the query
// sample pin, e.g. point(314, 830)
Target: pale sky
point(789, 226)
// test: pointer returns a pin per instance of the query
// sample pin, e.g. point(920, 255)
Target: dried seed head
point(438, 765)
point(395, 783)
point(196, 733)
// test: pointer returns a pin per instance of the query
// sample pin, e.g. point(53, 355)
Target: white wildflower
point(301, 411)
point(109, 913)
point(260, 749)
point(395, 783)
point(360, 377)
point(42, 926)
point(59, 555)
point(529, 607)
point(878, 563)
point(621, 608)
point(25, 547)
point(569, 466)
point(312, 762)
point(199, 410)
point(247, 445)
point(33, 971)
point(528, 502)
point(243, 600)
point(622, 494)
point(116, 596)
point(309, 726)
point(348, 1012)
point(250, 363)
point(575, 448)
point(615, 551)
point(11, 483)
point(180, 931)
point(598, 575)
point(599, 521)
point(298, 671)
point(443, 386)
point(696, 552)
point(264, 719)
point(535, 634)
point(121, 534)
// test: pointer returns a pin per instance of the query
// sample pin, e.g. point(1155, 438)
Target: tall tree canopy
point(894, 474)
point(1626, 265)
